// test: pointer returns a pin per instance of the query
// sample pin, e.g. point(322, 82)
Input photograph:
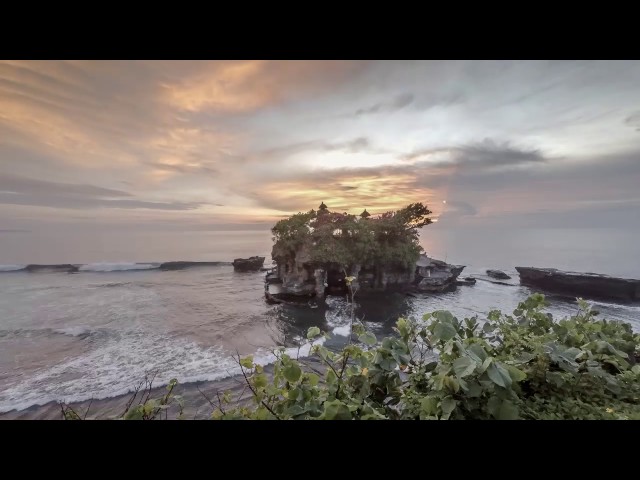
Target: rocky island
point(590, 285)
point(315, 252)
point(250, 264)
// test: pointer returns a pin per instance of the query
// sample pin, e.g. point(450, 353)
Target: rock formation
point(248, 264)
point(68, 268)
point(436, 276)
point(499, 274)
point(580, 284)
point(299, 277)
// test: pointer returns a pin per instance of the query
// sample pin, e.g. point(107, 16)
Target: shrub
point(520, 366)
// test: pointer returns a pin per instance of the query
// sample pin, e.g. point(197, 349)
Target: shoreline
point(196, 406)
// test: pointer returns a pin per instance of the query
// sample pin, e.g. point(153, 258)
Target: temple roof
point(322, 206)
point(365, 214)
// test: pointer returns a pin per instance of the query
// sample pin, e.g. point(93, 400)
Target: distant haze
point(170, 150)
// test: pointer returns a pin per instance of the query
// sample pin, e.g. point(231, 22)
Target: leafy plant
point(505, 367)
point(520, 366)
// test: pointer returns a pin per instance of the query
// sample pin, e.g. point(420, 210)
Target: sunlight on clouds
point(353, 193)
point(248, 85)
point(347, 160)
point(223, 90)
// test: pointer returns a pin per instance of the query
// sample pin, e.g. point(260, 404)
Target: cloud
point(15, 190)
point(487, 153)
point(13, 184)
point(151, 140)
point(185, 168)
point(633, 121)
point(406, 100)
point(245, 86)
point(354, 145)
point(397, 103)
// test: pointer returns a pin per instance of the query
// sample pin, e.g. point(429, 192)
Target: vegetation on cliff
point(330, 237)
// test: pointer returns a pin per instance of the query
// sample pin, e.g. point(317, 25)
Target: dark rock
point(467, 281)
point(248, 264)
point(436, 276)
point(499, 274)
point(180, 265)
point(580, 284)
point(52, 268)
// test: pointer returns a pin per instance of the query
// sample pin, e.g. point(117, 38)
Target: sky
point(222, 145)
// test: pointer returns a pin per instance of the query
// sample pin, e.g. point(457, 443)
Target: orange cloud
point(244, 86)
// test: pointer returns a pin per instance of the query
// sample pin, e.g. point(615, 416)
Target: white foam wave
point(117, 368)
point(619, 306)
point(117, 267)
point(74, 331)
point(342, 331)
point(11, 268)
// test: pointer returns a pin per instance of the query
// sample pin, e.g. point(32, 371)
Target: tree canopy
point(389, 239)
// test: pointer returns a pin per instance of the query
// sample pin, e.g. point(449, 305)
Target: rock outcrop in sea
point(498, 274)
point(304, 279)
point(436, 276)
point(588, 285)
point(250, 264)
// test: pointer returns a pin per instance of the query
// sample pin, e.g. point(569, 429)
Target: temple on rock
point(315, 251)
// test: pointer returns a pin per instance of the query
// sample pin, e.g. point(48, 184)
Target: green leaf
point(313, 332)
point(474, 390)
point(368, 338)
point(478, 351)
point(260, 381)
point(134, 413)
point(516, 374)
point(464, 366)
point(499, 375)
point(487, 362)
point(336, 410)
point(295, 410)
point(429, 406)
point(444, 331)
point(293, 393)
point(292, 372)
point(403, 327)
point(448, 406)
point(247, 362)
point(313, 379)
point(525, 357)
point(445, 316)
point(502, 409)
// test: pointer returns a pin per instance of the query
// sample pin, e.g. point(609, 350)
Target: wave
point(107, 267)
point(117, 367)
point(117, 267)
point(78, 331)
point(34, 333)
point(619, 306)
point(12, 268)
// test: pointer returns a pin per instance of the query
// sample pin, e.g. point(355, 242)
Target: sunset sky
point(197, 145)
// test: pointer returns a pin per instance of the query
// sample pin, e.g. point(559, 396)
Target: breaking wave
point(107, 267)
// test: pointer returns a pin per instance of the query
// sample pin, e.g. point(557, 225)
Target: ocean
point(96, 333)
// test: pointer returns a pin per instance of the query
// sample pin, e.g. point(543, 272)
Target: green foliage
point(520, 366)
point(340, 238)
